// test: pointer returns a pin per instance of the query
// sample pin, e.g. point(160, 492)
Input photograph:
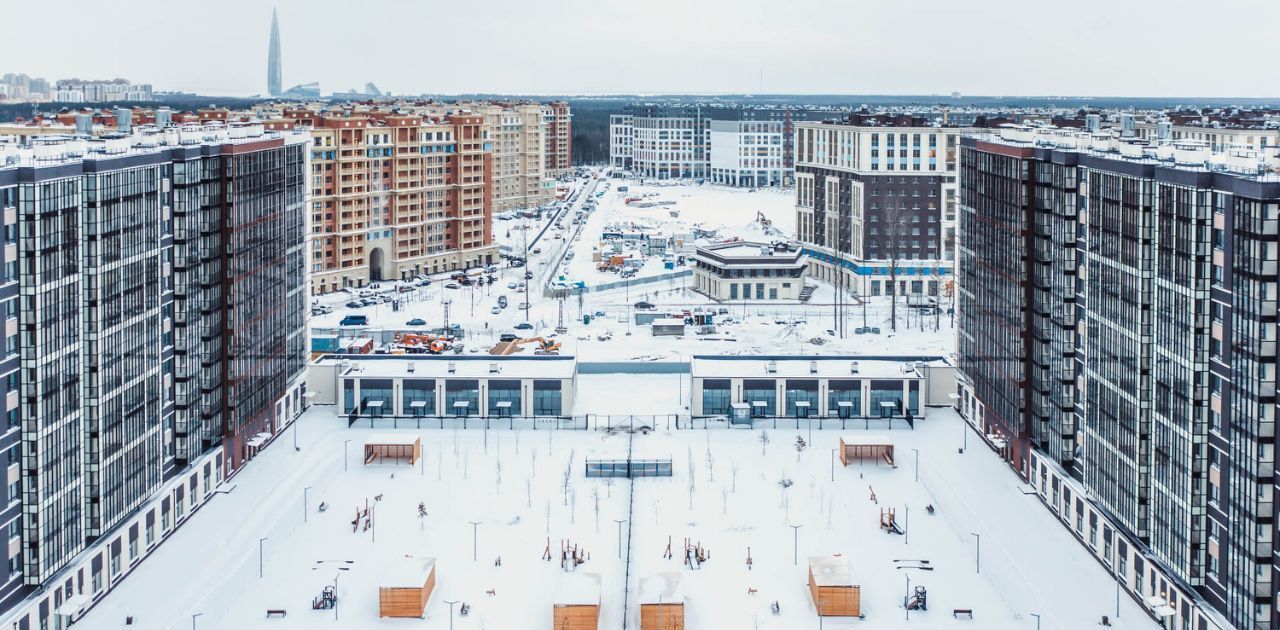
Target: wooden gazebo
point(866, 446)
point(392, 446)
point(409, 582)
point(577, 602)
point(833, 588)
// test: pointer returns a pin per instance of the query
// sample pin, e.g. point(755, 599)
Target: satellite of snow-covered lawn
point(491, 506)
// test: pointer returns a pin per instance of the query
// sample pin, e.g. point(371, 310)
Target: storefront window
point(802, 398)
point(849, 391)
point(546, 398)
point(422, 390)
point(375, 396)
point(756, 392)
point(716, 397)
point(504, 391)
point(462, 391)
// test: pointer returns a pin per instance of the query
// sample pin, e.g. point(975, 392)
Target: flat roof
point(392, 439)
point(667, 585)
point(578, 589)
point(866, 439)
point(713, 367)
point(668, 321)
point(831, 571)
point(407, 571)
point(428, 366)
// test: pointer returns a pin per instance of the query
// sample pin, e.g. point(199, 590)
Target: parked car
point(528, 275)
point(321, 309)
point(537, 250)
point(417, 321)
point(511, 285)
point(508, 337)
point(495, 310)
point(599, 314)
point(424, 282)
point(502, 301)
point(645, 306)
point(491, 269)
point(524, 326)
point(355, 320)
point(451, 285)
point(354, 304)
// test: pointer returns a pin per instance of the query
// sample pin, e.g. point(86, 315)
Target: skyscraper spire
point(273, 57)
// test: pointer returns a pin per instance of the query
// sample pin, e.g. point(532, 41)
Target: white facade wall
point(748, 153)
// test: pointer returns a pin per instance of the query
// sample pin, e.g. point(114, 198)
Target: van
point(502, 301)
point(355, 320)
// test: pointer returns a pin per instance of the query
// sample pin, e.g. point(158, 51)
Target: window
point(547, 398)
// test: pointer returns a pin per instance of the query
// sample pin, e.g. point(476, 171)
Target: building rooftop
point(831, 571)
point(806, 367)
point(433, 366)
point(666, 588)
point(578, 589)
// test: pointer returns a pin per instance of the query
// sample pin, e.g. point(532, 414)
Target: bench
point(276, 612)
point(955, 614)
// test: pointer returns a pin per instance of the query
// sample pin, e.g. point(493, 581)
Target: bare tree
point(733, 470)
point(895, 240)
point(566, 480)
point(595, 501)
point(764, 442)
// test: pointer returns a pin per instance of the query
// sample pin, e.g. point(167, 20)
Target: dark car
point(528, 275)
point(417, 321)
point(645, 306)
point(524, 326)
point(451, 285)
point(425, 282)
point(508, 337)
point(354, 305)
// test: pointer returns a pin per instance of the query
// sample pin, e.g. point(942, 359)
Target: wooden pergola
point(866, 446)
point(392, 446)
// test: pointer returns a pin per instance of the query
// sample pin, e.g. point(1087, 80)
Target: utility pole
point(795, 552)
point(619, 522)
point(474, 534)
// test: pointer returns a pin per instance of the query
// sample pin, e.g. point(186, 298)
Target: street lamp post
point(451, 603)
point(304, 503)
point(1037, 616)
point(474, 526)
point(917, 452)
point(977, 552)
point(193, 620)
point(260, 541)
point(906, 527)
point(619, 521)
point(906, 601)
point(795, 551)
point(335, 595)
point(344, 453)
point(833, 464)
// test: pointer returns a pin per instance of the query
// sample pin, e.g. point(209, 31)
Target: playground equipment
point(889, 522)
point(570, 554)
point(918, 600)
point(327, 599)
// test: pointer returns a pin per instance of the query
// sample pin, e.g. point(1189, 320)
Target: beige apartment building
point(396, 195)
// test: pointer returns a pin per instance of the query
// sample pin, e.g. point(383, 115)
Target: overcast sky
point(987, 47)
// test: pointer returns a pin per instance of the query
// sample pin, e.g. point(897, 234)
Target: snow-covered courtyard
point(520, 493)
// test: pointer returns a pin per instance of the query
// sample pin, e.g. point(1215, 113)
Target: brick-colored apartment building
point(396, 195)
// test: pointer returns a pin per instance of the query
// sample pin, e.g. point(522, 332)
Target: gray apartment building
point(153, 298)
point(1117, 335)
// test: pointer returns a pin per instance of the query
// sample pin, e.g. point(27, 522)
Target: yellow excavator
point(545, 346)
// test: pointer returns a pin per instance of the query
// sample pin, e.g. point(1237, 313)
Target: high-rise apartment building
point(876, 198)
point(735, 146)
point(395, 195)
point(1117, 327)
point(558, 122)
point(517, 137)
point(154, 304)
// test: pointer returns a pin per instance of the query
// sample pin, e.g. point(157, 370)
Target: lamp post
point(906, 527)
point(474, 534)
point(977, 552)
point(1037, 616)
point(260, 541)
point(1116, 567)
point(821, 604)
point(344, 453)
point(304, 503)
point(906, 601)
point(335, 595)
point(917, 452)
point(193, 620)
point(619, 521)
point(451, 603)
point(833, 465)
point(373, 521)
point(795, 551)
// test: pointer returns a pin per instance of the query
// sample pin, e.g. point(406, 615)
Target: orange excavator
point(545, 346)
point(430, 343)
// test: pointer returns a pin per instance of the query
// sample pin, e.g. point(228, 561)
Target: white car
point(495, 310)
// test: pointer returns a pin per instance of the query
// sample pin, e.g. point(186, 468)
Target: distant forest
point(591, 113)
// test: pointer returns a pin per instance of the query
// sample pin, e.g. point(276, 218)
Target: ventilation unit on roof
point(410, 367)
point(853, 367)
point(813, 367)
point(771, 367)
point(493, 368)
point(453, 367)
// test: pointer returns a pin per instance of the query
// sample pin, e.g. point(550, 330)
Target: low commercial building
point(749, 271)
point(419, 386)
point(743, 387)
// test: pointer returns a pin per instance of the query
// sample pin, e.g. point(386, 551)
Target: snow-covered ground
point(725, 495)
point(756, 327)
